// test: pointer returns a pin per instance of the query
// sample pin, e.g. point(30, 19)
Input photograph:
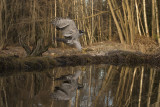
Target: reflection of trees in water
point(124, 86)
point(104, 85)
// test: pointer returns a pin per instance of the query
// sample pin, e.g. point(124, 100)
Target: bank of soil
point(104, 52)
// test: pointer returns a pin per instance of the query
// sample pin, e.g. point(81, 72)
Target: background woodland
point(28, 22)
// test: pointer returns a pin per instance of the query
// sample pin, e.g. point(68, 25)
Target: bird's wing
point(78, 45)
point(67, 26)
point(69, 32)
point(62, 23)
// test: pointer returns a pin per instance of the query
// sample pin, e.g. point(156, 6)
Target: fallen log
point(112, 57)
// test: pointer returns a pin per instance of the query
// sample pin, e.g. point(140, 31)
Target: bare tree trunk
point(116, 22)
point(122, 20)
point(100, 32)
point(137, 14)
point(51, 26)
point(153, 19)
point(145, 17)
point(74, 9)
point(125, 24)
point(1, 37)
point(157, 21)
point(92, 24)
point(131, 20)
point(33, 35)
point(110, 27)
point(55, 15)
point(4, 26)
point(83, 21)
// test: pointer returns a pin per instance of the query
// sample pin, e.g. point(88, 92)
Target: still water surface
point(103, 86)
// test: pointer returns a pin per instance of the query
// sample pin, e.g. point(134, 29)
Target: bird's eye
point(81, 31)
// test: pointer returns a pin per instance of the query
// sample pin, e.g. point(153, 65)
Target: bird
point(68, 88)
point(69, 31)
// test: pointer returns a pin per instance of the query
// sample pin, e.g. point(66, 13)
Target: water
point(104, 86)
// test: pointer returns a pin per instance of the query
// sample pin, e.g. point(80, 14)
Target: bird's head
point(81, 32)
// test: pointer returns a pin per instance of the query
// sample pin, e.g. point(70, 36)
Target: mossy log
point(112, 57)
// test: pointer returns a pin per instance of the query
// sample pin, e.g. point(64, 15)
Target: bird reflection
point(68, 88)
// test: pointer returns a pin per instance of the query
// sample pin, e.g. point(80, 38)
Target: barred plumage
point(69, 31)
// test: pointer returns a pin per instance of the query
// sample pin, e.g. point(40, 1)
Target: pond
point(103, 86)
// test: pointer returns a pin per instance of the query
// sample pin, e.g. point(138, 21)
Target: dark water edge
point(46, 62)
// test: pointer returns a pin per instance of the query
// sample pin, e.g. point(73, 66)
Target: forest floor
point(95, 49)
